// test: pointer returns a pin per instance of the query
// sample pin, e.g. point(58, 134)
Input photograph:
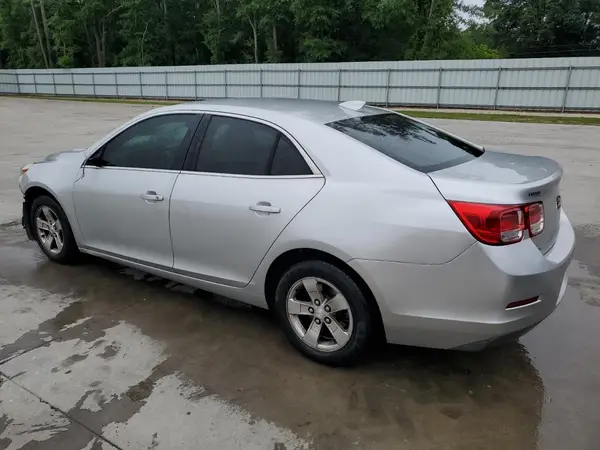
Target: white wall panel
point(84, 90)
point(276, 78)
point(532, 99)
point(585, 78)
point(211, 91)
point(413, 78)
point(535, 78)
point(320, 93)
point(583, 99)
point(243, 91)
point(523, 83)
point(280, 92)
point(408, 96)
point(470, 78)
point(320, 77)
point(467, 97)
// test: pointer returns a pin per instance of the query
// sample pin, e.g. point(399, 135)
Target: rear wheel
point(52, 230)
point(324, 314)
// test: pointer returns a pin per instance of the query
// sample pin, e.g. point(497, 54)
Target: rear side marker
point(520, 303)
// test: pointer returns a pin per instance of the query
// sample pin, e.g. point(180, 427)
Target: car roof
point(276, 109)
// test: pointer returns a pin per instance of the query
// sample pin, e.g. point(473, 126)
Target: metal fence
point(561, 84)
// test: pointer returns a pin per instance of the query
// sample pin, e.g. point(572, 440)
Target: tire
point(46, 206)
point(359, 328)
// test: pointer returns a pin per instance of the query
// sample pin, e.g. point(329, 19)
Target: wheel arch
point(35, 191)
point(31, 193)
point(287, 259)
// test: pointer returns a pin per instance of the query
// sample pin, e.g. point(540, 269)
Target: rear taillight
point(500, 224)
point(535, 218)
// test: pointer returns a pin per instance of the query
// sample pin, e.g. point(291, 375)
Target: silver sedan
point(349, 222)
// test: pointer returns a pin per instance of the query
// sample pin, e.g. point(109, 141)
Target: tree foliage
point(541, 28)
point(99, 33)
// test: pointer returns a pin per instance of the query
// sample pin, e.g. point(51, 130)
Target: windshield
point(409, 142)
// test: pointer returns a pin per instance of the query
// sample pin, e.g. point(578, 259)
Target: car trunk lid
point(507, 179)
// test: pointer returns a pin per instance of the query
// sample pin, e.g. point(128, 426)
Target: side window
point(236, 146)
point(157, 143)
point(287, 160)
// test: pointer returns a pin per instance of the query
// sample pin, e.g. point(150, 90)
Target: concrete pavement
point(97, 356)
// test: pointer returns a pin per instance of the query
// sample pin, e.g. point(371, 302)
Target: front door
point(122, 199)
point(249, 182)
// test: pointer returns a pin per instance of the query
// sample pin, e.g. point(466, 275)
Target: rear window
point(414, 144)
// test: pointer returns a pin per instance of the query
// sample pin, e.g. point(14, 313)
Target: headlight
point(25, 168)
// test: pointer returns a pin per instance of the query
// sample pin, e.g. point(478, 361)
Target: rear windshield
point(414, 144)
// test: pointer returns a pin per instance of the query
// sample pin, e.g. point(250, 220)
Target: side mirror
point(96, 161)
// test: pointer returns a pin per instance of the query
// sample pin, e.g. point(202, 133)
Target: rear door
point(247, 182)
point(122, 200)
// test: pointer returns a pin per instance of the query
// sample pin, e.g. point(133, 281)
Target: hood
point(75, 153)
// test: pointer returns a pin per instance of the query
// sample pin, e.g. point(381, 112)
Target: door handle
point(265, 207)
point(151, 197)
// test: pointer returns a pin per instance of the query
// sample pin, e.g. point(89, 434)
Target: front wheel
point(324, 313)
point(52, 230)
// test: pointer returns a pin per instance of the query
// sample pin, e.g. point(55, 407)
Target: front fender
point(57, 180)
point(28, 188)
point(26, 220)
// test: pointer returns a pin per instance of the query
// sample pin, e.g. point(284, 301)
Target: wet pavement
point(97, 357)
point(100, 350)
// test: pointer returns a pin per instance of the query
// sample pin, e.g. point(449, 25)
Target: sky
point(474, 2)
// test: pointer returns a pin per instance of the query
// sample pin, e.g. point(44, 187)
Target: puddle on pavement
point(146, 361)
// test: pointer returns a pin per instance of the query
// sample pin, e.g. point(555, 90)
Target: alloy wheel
point(319, 314)
point(49, 229)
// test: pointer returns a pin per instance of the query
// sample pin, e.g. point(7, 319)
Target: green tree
point(18, 41)
point(537, 28)
point(318, 23)
point(99, 33)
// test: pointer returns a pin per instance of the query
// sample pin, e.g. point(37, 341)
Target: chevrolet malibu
point(348, 221)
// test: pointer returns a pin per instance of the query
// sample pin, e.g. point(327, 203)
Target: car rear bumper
point(462, 304)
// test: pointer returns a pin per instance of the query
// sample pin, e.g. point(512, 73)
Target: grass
point(495, 117)
point(422, 114)
point(127, 101)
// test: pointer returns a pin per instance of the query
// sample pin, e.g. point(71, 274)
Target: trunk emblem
point(558, 202)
